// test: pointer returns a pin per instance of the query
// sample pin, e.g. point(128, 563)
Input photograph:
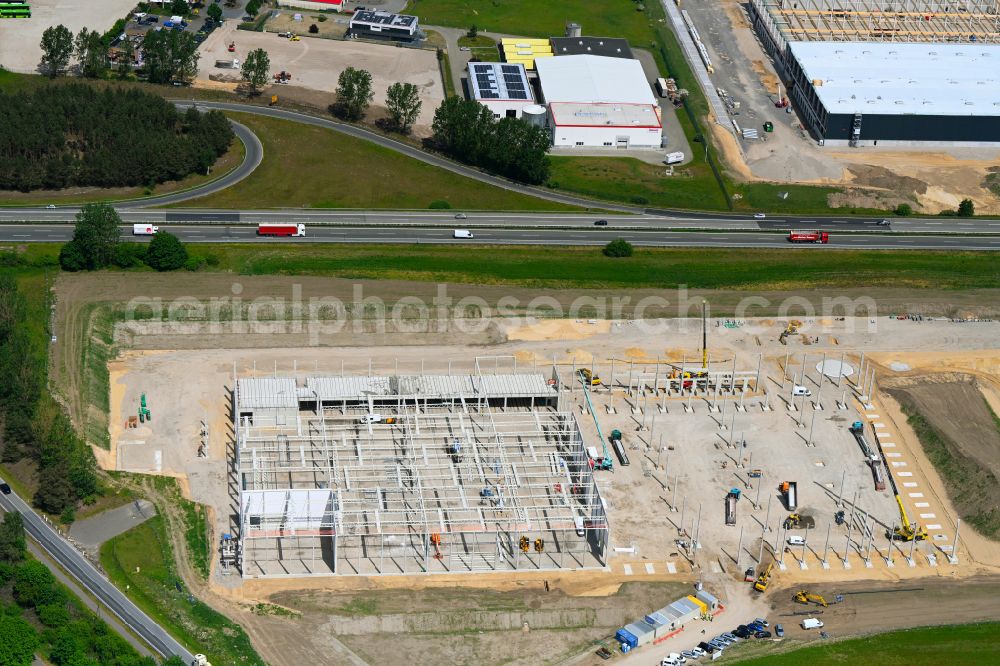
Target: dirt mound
point(884, 179)
point(961, 437)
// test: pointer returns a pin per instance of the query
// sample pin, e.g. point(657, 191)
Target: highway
point(222, 233)
point(72, 561)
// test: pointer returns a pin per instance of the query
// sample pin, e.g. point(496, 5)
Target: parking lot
point(316, 63)
point(20, 38)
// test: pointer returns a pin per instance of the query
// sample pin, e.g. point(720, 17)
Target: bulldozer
point(793, 521)
point(763, 579)
point(806, 597)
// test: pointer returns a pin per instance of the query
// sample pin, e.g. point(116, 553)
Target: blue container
point(626, 638)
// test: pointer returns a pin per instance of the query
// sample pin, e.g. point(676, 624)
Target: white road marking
point(916, 494)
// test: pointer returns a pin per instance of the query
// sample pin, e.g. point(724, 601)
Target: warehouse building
point(599, 101)
point(377, 24)
point(889, 93)
point(861, 72)
point(524, 51)
point(502, 88)
point(317, 5)
point(408, 474)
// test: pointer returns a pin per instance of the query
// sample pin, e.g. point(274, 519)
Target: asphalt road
point(99, 586)
point(221, 233)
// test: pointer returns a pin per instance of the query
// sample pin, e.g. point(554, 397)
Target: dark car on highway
point(4, 488)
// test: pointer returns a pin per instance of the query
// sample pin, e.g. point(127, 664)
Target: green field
point(312, 167)
point(586, 267)
point(140, 563)
point(972, 644)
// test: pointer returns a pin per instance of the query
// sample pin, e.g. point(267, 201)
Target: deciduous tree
point(12, 544)
point(96, 235)
point(403, 103)
point(166, 252)
point(57, 48)
point(354, 93)
point(256, 69)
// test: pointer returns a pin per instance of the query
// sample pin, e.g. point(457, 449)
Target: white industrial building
point(599, 101)
point(501, 87)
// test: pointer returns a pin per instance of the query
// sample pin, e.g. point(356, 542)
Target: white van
point(462, 233)
point(674, 158)
point(796, 541)
point(144, 229)
point(801, 390)
point(371, 418)
point(579, 526)
point(811, 623)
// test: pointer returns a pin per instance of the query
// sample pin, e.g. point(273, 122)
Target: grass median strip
point(313, 167)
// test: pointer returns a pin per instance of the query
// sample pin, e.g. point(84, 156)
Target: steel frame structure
point(326, 494)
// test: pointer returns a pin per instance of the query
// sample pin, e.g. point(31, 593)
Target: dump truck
point(790, 490)
point(281, 229)
point(808, 237)
point(731, 499)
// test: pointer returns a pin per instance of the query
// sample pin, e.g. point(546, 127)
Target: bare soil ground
point(316, 64)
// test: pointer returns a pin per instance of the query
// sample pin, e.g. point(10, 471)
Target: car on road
point(759, 216)
point(461, 216)
point(462, 233)
point(600, 223)
point(883, 223)
point(50, 206)
point(4, 488)
point(779, 631)
point(762, 634)
point(464, 48)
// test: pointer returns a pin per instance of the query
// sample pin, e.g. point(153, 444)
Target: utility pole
point(767, 518)
point(826, 547)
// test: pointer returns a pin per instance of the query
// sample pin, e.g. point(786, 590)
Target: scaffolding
point(457, 474)
point(909, 21)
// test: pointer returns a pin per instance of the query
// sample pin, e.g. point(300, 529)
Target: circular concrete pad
point(835, 369)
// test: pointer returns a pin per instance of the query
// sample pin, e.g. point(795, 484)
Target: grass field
point(967, 644)
point(587, 267)
point(312, 167)
point(140, 560)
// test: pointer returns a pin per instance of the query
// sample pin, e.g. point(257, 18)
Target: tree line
point(96, 244)
point(45, 619)
point(76, 135)
point(34, 426)
point(468, 131)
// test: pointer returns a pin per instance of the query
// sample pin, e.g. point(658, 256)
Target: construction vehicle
point(808, 237)
point(839, 517)
point(790, 491)
point(605, 461)
point(294, 38)
point(763, 579)
point(144, 413)
point(539, 545)
point(792, 521)
point(791, 329)
point(731, 499)
point(232, 47)
point(619, 448)
point(806, 597)
point(274, 100)
point(283, 77)
point(524, 544)
point(436, 542)
point(907, 531)
point(755, 473)
point(587, 376)
point(874, 461)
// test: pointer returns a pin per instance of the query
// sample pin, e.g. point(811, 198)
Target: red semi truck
point(281, 230)
point(808, 237)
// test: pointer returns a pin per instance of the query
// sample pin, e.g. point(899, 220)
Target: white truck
point(228, 64)
point(674, 158)
point(144, 229)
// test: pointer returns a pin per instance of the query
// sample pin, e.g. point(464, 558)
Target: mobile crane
point(906, 531)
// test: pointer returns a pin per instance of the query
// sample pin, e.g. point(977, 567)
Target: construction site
point(752, 456)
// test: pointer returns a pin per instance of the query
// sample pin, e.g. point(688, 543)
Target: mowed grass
point(632, 181)
point(312, 167)
point(587, 267)
point(532, 18)
point(140, 563)
point(972, 644)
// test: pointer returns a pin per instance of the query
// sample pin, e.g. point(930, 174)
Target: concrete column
point(826, 547)
point(739, 549)
point(840, 496)
point(767, 518)
point(953, 556)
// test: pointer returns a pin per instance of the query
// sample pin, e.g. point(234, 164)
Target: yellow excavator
point(792, 328)
point(806, 597)
point(763, 579)
point(793, 521)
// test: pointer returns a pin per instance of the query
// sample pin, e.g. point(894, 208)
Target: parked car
point(731, 636)
point(762, 622)
point(779, 631)
point(812, 623)
point(706, 648)
point(667, 661)
point(689, 654)
point(698, 651)
point(743, 631)
point(604, 653)
point(762, 634)
point(677, 656)
point(754, 627)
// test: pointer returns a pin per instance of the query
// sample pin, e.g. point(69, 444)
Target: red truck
point(808, 237)
point(281, 230)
